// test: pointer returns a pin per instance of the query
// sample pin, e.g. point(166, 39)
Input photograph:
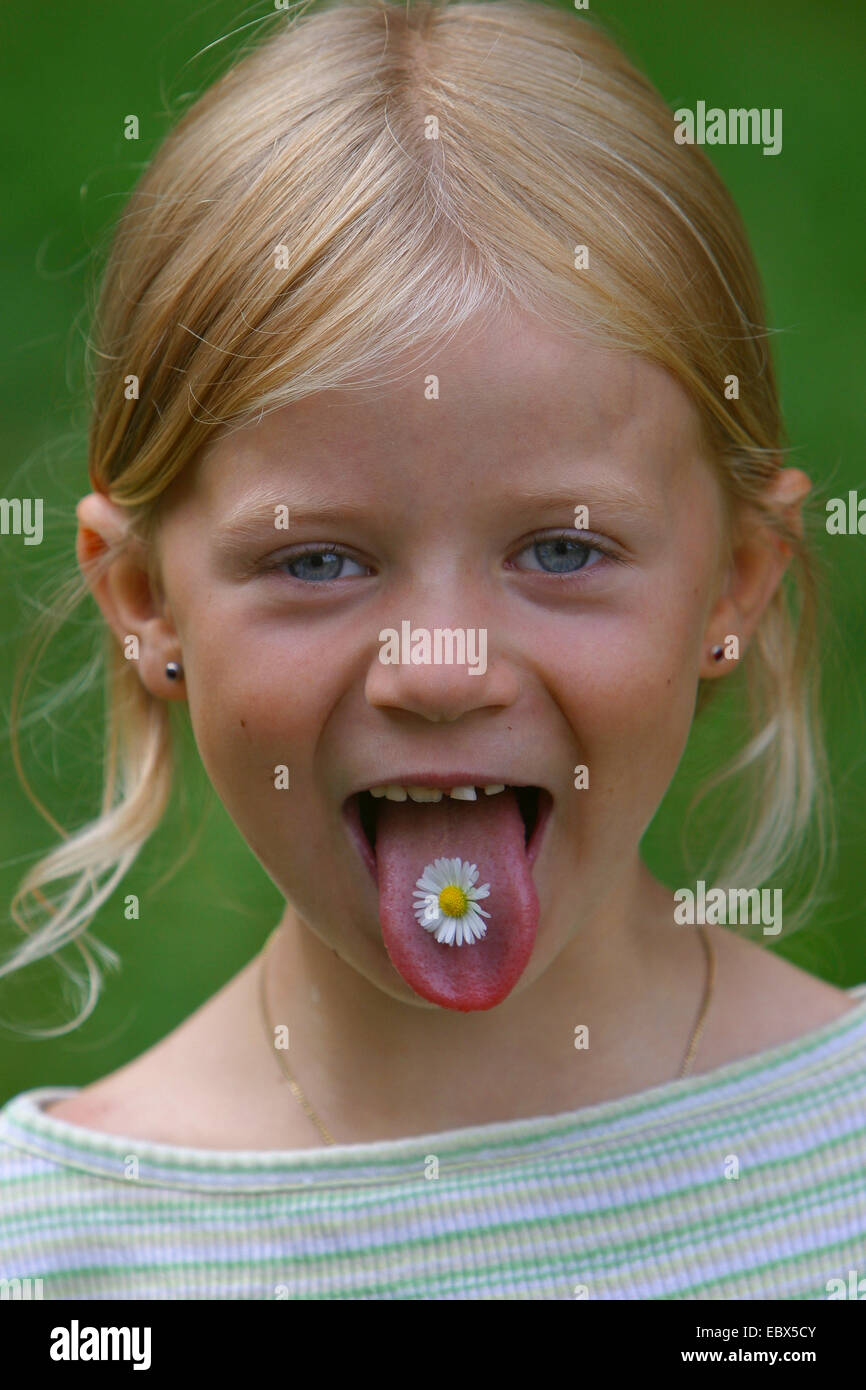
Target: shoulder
point(761, 974)
point(761, 1001)
point(98, 1106)
point(34, 1179)
point(176, 1090)
point(142, 1100)
point(198, 1087)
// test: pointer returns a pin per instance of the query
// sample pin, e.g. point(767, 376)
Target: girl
point(437, 471)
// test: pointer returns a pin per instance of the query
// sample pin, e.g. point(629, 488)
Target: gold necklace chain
point(329, 1139)
point(708, 994)
point(296, 1090)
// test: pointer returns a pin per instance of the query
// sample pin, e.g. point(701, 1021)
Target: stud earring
point(717, 653)
point(173, 670)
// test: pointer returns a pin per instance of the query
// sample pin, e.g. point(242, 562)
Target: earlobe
point(755, 573)
point(722, 648)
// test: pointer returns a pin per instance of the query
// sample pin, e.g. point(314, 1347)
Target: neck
point(376, 1067)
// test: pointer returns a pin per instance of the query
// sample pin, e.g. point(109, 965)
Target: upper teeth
point(397, 793)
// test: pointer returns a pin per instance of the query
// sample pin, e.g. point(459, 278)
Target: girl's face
point(444, 513)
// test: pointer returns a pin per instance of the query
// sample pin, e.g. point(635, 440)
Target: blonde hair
point(317, 141)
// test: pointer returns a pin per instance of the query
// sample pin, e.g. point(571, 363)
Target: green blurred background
point(71, 73)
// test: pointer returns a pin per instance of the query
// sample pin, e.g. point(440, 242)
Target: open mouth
point(361, 812)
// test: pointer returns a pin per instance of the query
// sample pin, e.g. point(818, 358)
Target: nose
point(439, 673)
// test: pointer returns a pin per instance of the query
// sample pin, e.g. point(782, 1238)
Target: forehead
point(513, 390)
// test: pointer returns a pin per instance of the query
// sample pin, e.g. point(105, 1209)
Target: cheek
point(630, 706)
point(251, 715)
point(629, 696)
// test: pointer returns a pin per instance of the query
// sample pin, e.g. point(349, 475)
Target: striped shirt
point(745, 1182)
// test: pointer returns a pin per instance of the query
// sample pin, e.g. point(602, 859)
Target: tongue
point(489, 833)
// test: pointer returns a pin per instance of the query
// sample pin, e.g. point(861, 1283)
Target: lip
point(352, 816)
point(444, 780)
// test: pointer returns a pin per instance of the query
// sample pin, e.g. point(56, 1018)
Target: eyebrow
point(617, 500)
point(248, 524)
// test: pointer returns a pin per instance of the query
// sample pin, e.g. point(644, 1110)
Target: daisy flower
point(447, 902)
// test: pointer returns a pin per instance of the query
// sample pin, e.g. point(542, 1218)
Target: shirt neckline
point(24, 1125)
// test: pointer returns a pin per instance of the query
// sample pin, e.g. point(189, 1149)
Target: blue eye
point(562, 554)
point(318, 564)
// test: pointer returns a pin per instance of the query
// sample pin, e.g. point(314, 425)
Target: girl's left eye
point(563, 553)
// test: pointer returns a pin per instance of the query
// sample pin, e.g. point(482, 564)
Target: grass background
point(71, 73)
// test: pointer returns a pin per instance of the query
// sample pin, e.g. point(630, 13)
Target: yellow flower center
point(453, 901)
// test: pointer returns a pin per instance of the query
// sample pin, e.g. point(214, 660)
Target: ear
point(131, 605)
point(758, 560)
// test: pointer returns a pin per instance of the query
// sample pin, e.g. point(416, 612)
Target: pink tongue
point(489, 833)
